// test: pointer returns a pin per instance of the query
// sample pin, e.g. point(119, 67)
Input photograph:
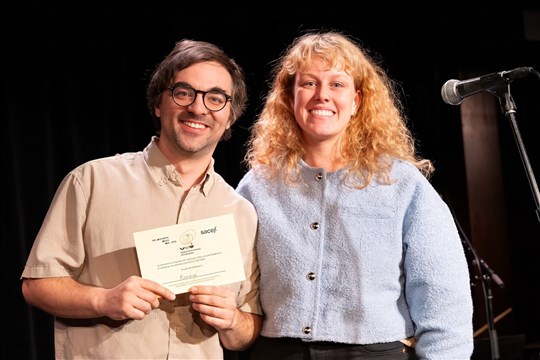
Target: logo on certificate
point(186, 239)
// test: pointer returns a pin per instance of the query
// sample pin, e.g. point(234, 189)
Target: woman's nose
point(323, 93)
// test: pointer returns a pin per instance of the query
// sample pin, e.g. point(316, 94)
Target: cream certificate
point(201, 252)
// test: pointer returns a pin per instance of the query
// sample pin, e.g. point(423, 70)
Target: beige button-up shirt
point(88, 234)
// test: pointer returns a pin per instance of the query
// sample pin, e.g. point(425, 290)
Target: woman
point(359, 256)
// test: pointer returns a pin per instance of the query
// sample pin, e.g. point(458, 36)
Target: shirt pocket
point(371, 212)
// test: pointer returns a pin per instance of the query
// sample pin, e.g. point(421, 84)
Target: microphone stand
point(509, 109)
point(486, 275)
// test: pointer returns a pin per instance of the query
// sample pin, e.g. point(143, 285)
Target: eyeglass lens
point(213, 100)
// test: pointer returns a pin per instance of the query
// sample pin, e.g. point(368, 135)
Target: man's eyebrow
point(214, 88)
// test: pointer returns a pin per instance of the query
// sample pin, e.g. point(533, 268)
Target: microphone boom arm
point(509, 110)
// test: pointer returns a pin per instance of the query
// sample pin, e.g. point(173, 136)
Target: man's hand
point(134, 298)
point(215, 304)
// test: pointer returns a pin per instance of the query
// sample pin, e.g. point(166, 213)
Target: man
point(83, 267)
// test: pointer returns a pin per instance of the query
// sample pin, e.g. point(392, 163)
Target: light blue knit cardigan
point(362, 266)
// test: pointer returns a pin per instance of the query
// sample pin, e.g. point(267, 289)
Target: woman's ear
point(356, 102)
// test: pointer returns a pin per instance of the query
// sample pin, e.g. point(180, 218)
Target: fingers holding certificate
point(201, 252)
point(216, 305)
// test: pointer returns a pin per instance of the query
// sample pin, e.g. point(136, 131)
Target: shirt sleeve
point(58, 249)
point(437, 278)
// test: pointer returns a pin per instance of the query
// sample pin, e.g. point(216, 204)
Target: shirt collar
point(164, 172)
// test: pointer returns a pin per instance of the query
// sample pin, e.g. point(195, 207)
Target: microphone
point(454, 91)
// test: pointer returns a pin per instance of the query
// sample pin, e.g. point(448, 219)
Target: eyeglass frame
point(184, 85)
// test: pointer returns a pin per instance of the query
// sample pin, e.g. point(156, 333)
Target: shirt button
point(311, 276)
point(318, 177)
point(306, 330)
point(315, 225)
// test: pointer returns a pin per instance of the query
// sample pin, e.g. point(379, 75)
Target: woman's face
point(323, 102)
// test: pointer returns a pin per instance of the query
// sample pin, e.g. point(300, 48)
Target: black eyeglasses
point(184, 95)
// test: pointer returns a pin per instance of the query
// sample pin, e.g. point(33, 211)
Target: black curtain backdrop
point(73, 89)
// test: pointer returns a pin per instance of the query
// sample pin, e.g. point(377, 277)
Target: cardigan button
point(315, 225)
point(306, 330)
point(318, 177)
point(311, 276)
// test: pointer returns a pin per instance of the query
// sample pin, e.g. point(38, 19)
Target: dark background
point(73, 89)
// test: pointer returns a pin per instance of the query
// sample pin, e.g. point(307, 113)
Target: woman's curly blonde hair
point(375, 135)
